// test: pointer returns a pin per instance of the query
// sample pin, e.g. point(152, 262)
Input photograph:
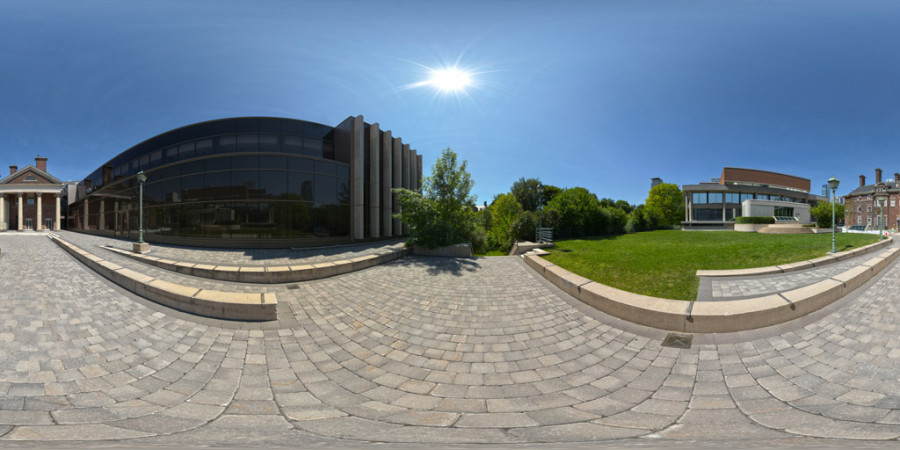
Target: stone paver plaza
point(422, 350)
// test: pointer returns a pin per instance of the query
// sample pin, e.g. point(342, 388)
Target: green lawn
point(664, 263)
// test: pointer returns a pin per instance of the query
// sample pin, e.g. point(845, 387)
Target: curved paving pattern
point(424, 350)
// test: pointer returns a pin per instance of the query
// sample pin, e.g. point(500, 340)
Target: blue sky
point(599, 94)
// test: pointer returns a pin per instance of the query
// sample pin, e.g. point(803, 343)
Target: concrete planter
point(749, 227)
point(452, 251)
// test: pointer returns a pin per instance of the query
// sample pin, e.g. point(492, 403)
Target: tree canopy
point(443, 214)
point(666, 202)
point(529, 193)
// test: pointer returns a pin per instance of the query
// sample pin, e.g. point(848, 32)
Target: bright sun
point(449, 80)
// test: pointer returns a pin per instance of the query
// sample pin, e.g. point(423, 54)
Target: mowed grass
point(664, 263)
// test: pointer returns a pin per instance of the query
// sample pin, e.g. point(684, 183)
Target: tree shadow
point(438, 265)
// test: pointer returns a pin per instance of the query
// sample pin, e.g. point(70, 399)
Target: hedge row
point(754, 219)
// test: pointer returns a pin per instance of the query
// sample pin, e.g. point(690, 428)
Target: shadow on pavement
point(436, 265)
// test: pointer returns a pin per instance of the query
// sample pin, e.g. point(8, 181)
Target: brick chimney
point(896, 177)
point(13, 169)
point(862, 180)
point(877, 176)
point(40, 162)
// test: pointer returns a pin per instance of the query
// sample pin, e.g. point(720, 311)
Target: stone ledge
point(808, 264)
point(268, 274)
point(717, 316)
point(256, 306)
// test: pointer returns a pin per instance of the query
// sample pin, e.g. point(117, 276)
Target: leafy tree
point(666, 202)
point(443, 214)
point(624, 206)
point(529, 193)
point(822, 213)
point(504, 211)
point(577, 210)
point(550, 191)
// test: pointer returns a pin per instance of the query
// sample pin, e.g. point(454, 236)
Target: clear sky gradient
point(599, 94)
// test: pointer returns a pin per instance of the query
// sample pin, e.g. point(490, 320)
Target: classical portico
point(30, 199)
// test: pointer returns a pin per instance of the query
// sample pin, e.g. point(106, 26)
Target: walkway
point(424, 350)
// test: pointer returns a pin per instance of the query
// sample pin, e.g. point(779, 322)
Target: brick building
point(861, 204)
point(30, 198)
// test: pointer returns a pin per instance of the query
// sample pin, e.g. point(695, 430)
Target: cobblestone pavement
point(425, 350)
point(732, 288)
point(251, 257)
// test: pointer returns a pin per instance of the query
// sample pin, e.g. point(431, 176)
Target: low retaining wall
point(714, 316)
point(205, 302)
point(267, 274)
point(808, 264)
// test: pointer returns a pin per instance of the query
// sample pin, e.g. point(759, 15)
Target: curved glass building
point(252, 181)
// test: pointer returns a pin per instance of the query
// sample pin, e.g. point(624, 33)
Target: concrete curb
point(267, 274)
point(809, 264)
point(257, 306)
point(712, 317)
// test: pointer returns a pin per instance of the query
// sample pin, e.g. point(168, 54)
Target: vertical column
point(396, 180)
point(40, 224)
point(413, 171)
point(56, 225)
point(101, 221)
point(19, 201)
point(374, 181)
point(2, 212)
point(116, 215)
point(405, 177)
point(357, 178)
point(387, 175)
point(85, 225)
point(419, 172)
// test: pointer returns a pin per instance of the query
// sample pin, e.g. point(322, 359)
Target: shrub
point(523, 228)
point(755, 219)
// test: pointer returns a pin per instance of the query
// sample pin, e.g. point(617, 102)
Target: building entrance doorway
point(48, 224)
point(29, 225)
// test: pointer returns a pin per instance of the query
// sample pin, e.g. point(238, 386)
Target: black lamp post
point(833, 184)
point(141, 179)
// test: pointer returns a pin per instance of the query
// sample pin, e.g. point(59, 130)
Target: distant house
point(861, 205)
point(30, 198)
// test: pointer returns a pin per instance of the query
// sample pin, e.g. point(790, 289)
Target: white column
point(405, 176)
point(357, 167)
point(2, 212)
point(101, 221)
point(56, 225)
point(395, 181)
point(19, 200)
point(387, 174)
point(39, 225)
point(374, 181)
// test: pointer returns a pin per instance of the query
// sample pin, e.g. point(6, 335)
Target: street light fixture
point(833, 184)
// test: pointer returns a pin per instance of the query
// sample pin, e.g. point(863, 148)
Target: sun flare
point(450, 80)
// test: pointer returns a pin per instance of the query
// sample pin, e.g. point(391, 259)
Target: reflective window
point(273, 162)
point(171, 155)
point(293, 144)
point(156, 158)
point(313, 147)
point(269, 143)
point(326, 189)
point(247, 143)
point(304, 164)
point(245, 162)
point(186, 151)
point(245, 184)
point(732, 197)
point(273, 184)
point(326, 168)
point(698, 198)
point(301, 185)
point(204, 147)
point(715, 197)
point(220, 163)
point(745, 196)
point(217, 185)
point(227, 144)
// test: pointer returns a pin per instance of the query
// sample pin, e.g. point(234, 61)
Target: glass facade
point(246, 178)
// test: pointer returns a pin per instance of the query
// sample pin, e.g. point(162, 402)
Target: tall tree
point(528, 192)
point(667, 202)
point(442, 214)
